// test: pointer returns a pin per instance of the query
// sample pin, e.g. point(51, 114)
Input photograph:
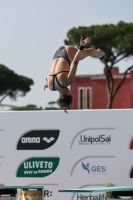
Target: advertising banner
point(83, 148)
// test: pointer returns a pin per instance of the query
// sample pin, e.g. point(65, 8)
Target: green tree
point(12, 84)
point(52, 107)
point(28, 107)
point(115, 40)
point(24, 108)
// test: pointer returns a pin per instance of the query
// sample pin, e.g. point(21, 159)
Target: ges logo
point(94, 169)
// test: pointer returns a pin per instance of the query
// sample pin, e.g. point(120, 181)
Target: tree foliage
point(115, 40)
point(24, 108)
point(56, 103)
point(52, 107)
point(12, 84)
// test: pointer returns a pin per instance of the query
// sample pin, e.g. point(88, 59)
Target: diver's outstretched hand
point(85, 41)
point(46, 84)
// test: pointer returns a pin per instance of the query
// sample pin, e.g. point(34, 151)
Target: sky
point(31, 31)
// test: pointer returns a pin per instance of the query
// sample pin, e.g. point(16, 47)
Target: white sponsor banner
point(85, 148)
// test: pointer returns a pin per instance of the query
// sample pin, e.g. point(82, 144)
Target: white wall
point(113, 160)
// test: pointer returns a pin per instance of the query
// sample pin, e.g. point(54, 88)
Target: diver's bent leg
point(92, 52)
point(86, 52)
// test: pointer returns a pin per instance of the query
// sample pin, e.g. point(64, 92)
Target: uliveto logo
point(89, 140)
point(38, 167)
point(38, 139)
point(94, 169)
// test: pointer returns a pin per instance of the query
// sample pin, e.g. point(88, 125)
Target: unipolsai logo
point(94, 169)
point(38, 167)
point(38, 139)
point(99, 140)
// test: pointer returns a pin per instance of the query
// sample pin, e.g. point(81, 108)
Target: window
point(80, 98)
point(88, 98)
point(84, 98)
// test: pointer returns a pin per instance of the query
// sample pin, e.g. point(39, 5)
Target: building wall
point(123, 99)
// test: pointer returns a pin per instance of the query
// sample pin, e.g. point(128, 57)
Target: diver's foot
point(100, 53)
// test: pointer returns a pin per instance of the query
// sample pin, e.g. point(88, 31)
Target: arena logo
point(94, 169)
point(38, 140)
point(38, 167)
point(88, 140)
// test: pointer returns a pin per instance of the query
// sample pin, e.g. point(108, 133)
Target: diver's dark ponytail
point(65, 100)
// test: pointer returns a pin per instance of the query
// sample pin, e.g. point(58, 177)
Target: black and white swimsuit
point(61, 52)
